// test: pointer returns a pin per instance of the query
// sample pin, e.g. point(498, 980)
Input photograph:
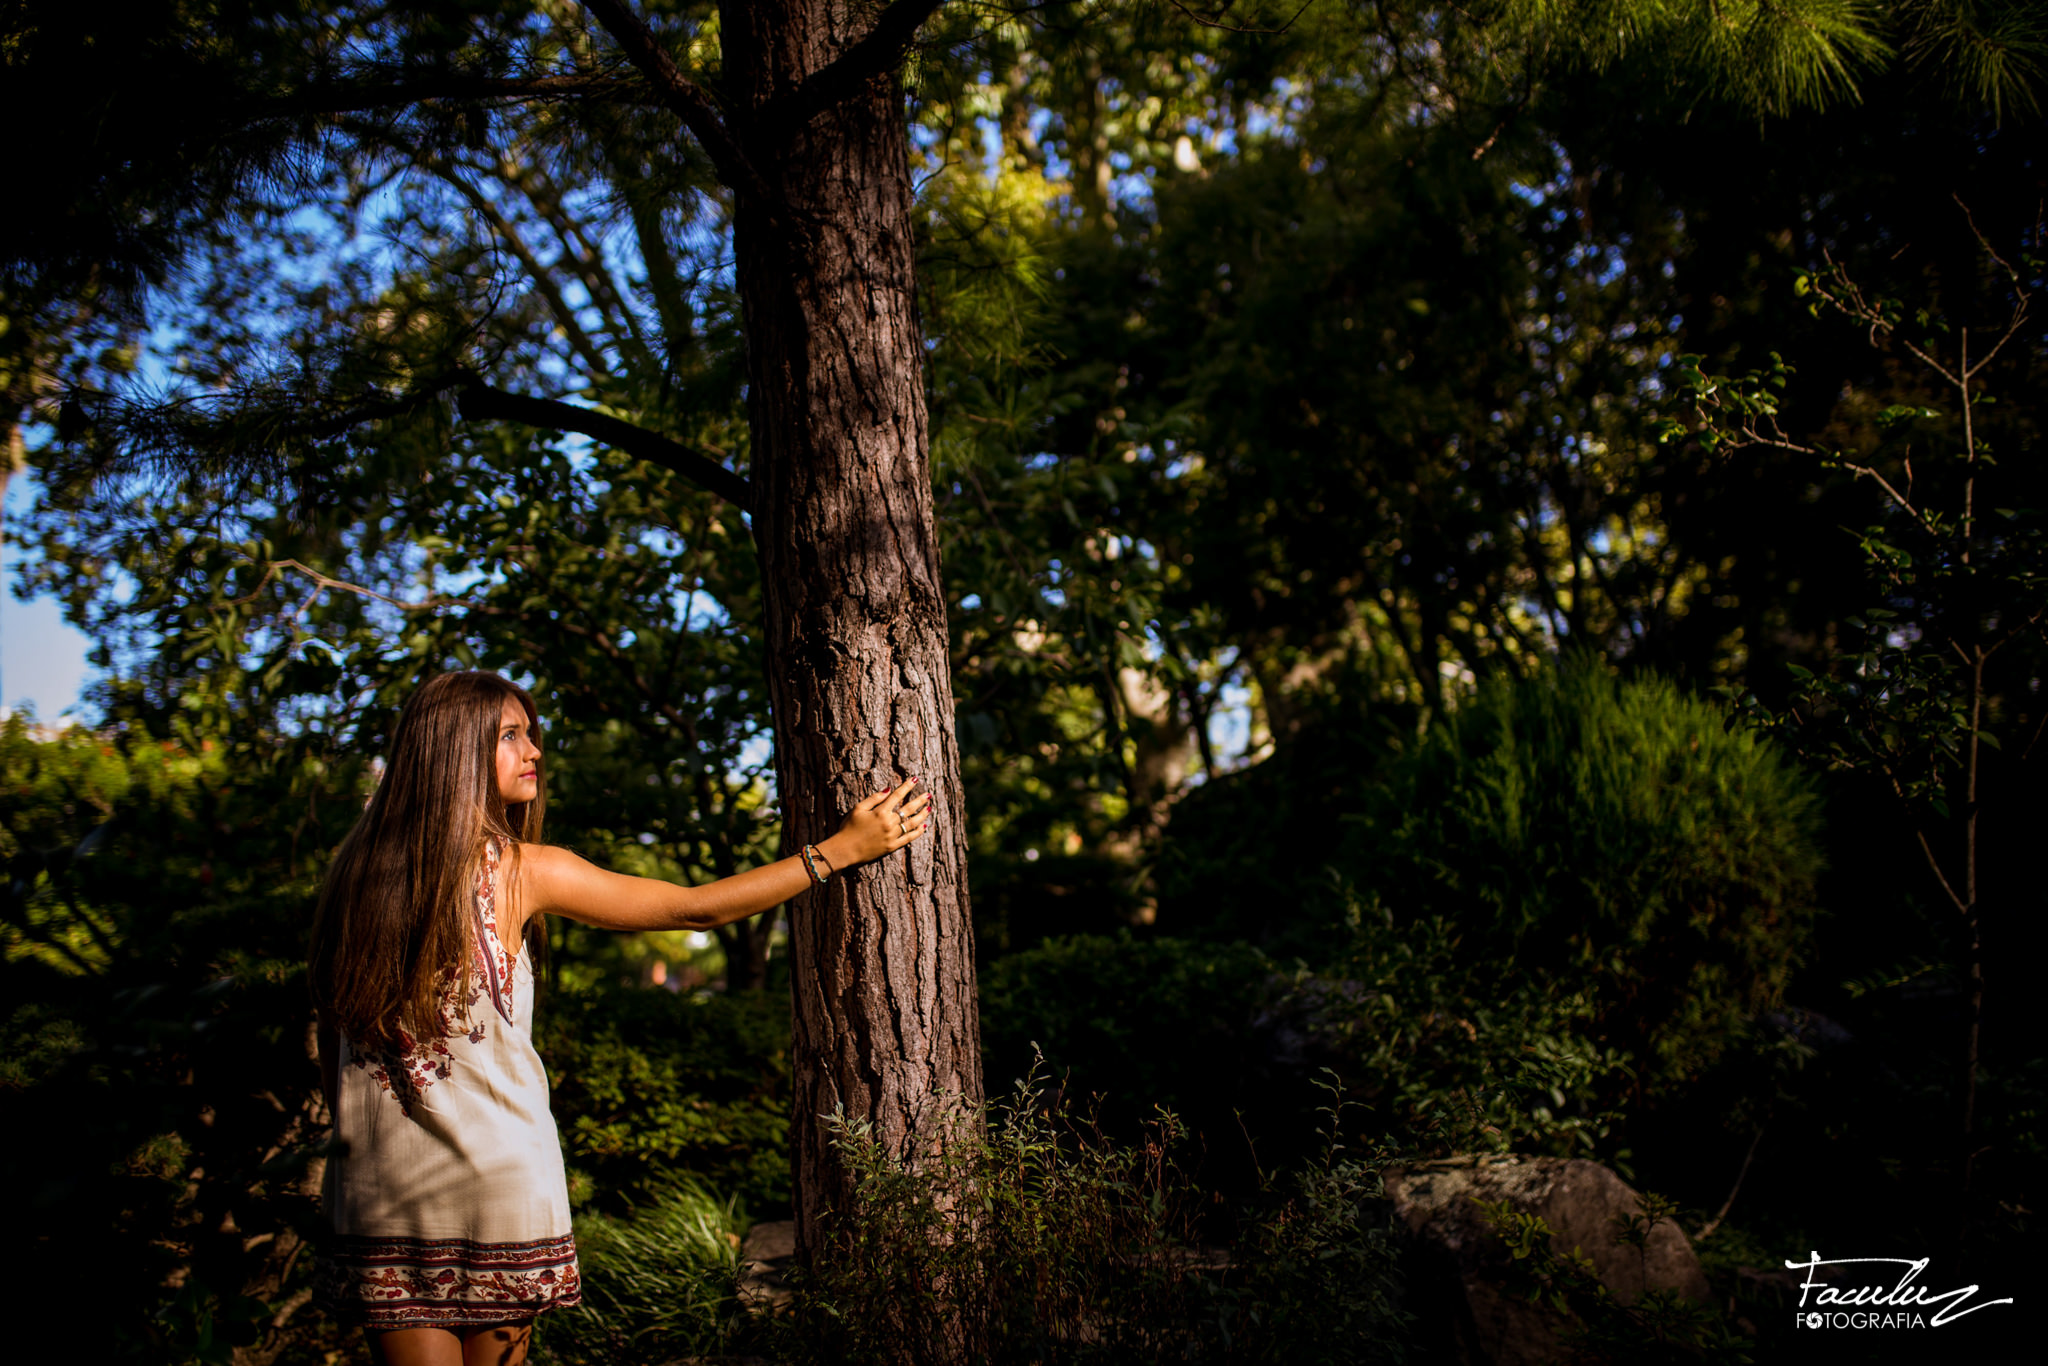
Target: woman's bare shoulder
point(558, 881)
point(533, 877)
point(543, 863)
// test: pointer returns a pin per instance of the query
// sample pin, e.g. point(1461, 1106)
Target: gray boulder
point(767, 1255)
point(1459, 1268)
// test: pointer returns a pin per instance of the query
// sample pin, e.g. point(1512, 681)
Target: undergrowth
point(1031, 1237)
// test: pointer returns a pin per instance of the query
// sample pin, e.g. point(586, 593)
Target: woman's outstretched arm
point(556, 882)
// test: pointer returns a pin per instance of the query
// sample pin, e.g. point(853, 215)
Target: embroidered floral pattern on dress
point(422, 1062)
point(422, 1282)
point(494, 960)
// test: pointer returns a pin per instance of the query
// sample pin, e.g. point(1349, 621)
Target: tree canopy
point(1291, 388)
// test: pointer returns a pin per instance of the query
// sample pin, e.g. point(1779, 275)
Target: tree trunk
point(746, 945)
point(14, 410)
point(882, 961)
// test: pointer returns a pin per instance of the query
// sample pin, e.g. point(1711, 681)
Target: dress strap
point(493, 961)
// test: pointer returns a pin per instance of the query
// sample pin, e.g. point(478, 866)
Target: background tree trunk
point(882, 960)
point(746, 945)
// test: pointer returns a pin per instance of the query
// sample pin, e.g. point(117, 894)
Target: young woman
point(446, 1192)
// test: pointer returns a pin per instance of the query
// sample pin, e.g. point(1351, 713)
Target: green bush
point(1322, 1281)
point(658, 1284)
point(651, 1087)
point(1439, 1054)
point(1143, 1022)
point(1249, 857)
point(1130, 1025)
point(159, 1108)
point(1572, 826)
point(1444, 1056)
point(1620, 833)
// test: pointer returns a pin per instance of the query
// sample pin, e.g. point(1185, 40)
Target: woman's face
point(518, 756)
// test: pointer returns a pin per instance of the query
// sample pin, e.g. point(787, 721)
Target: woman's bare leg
point(415, 1347)
point(502, 1344)
point(499, 1344)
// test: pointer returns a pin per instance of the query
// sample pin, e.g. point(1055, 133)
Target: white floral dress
point(447, 1194)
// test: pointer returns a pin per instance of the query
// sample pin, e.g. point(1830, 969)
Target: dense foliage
point(662, 1280)
point(161, 1112)
point(655, 1088)
point(1571, 892)
point(1302, 391)
point(1615, 834)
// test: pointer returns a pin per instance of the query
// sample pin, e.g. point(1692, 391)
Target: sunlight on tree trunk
point(882, 960)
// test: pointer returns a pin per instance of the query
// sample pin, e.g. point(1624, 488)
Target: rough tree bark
point(882, 960)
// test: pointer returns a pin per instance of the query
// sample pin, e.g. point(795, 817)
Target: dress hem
point(398, 1282)
point(385, 1319)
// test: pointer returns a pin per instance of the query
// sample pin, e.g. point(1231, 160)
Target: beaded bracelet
point(811, 857)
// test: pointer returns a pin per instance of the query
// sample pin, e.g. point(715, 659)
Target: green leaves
point(650, 1084)
point(1903, 708)
point(1989, 52)
point(657, 1280)
point(1767, 59)
point(1613, 833)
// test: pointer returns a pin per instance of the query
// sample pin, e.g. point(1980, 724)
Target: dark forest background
point(1484, 571)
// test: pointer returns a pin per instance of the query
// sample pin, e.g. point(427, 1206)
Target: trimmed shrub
point(1618, 833)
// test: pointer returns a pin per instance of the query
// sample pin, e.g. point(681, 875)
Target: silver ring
point(901, 828)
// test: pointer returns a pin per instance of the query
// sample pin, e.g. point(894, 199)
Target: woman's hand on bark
point(880, 825)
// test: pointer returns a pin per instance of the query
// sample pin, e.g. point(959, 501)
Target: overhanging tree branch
point(351, 97)
point(689, 101)
point(878, 53)
point(256, 432)
point(478, 401)
point(283, 429)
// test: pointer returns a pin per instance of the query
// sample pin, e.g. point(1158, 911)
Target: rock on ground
point(1459, 1270)
point(766, 1256)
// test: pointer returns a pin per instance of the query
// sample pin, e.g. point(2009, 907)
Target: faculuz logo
point(1880, 1306)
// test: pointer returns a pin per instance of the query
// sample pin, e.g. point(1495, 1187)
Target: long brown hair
point(393, 925)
